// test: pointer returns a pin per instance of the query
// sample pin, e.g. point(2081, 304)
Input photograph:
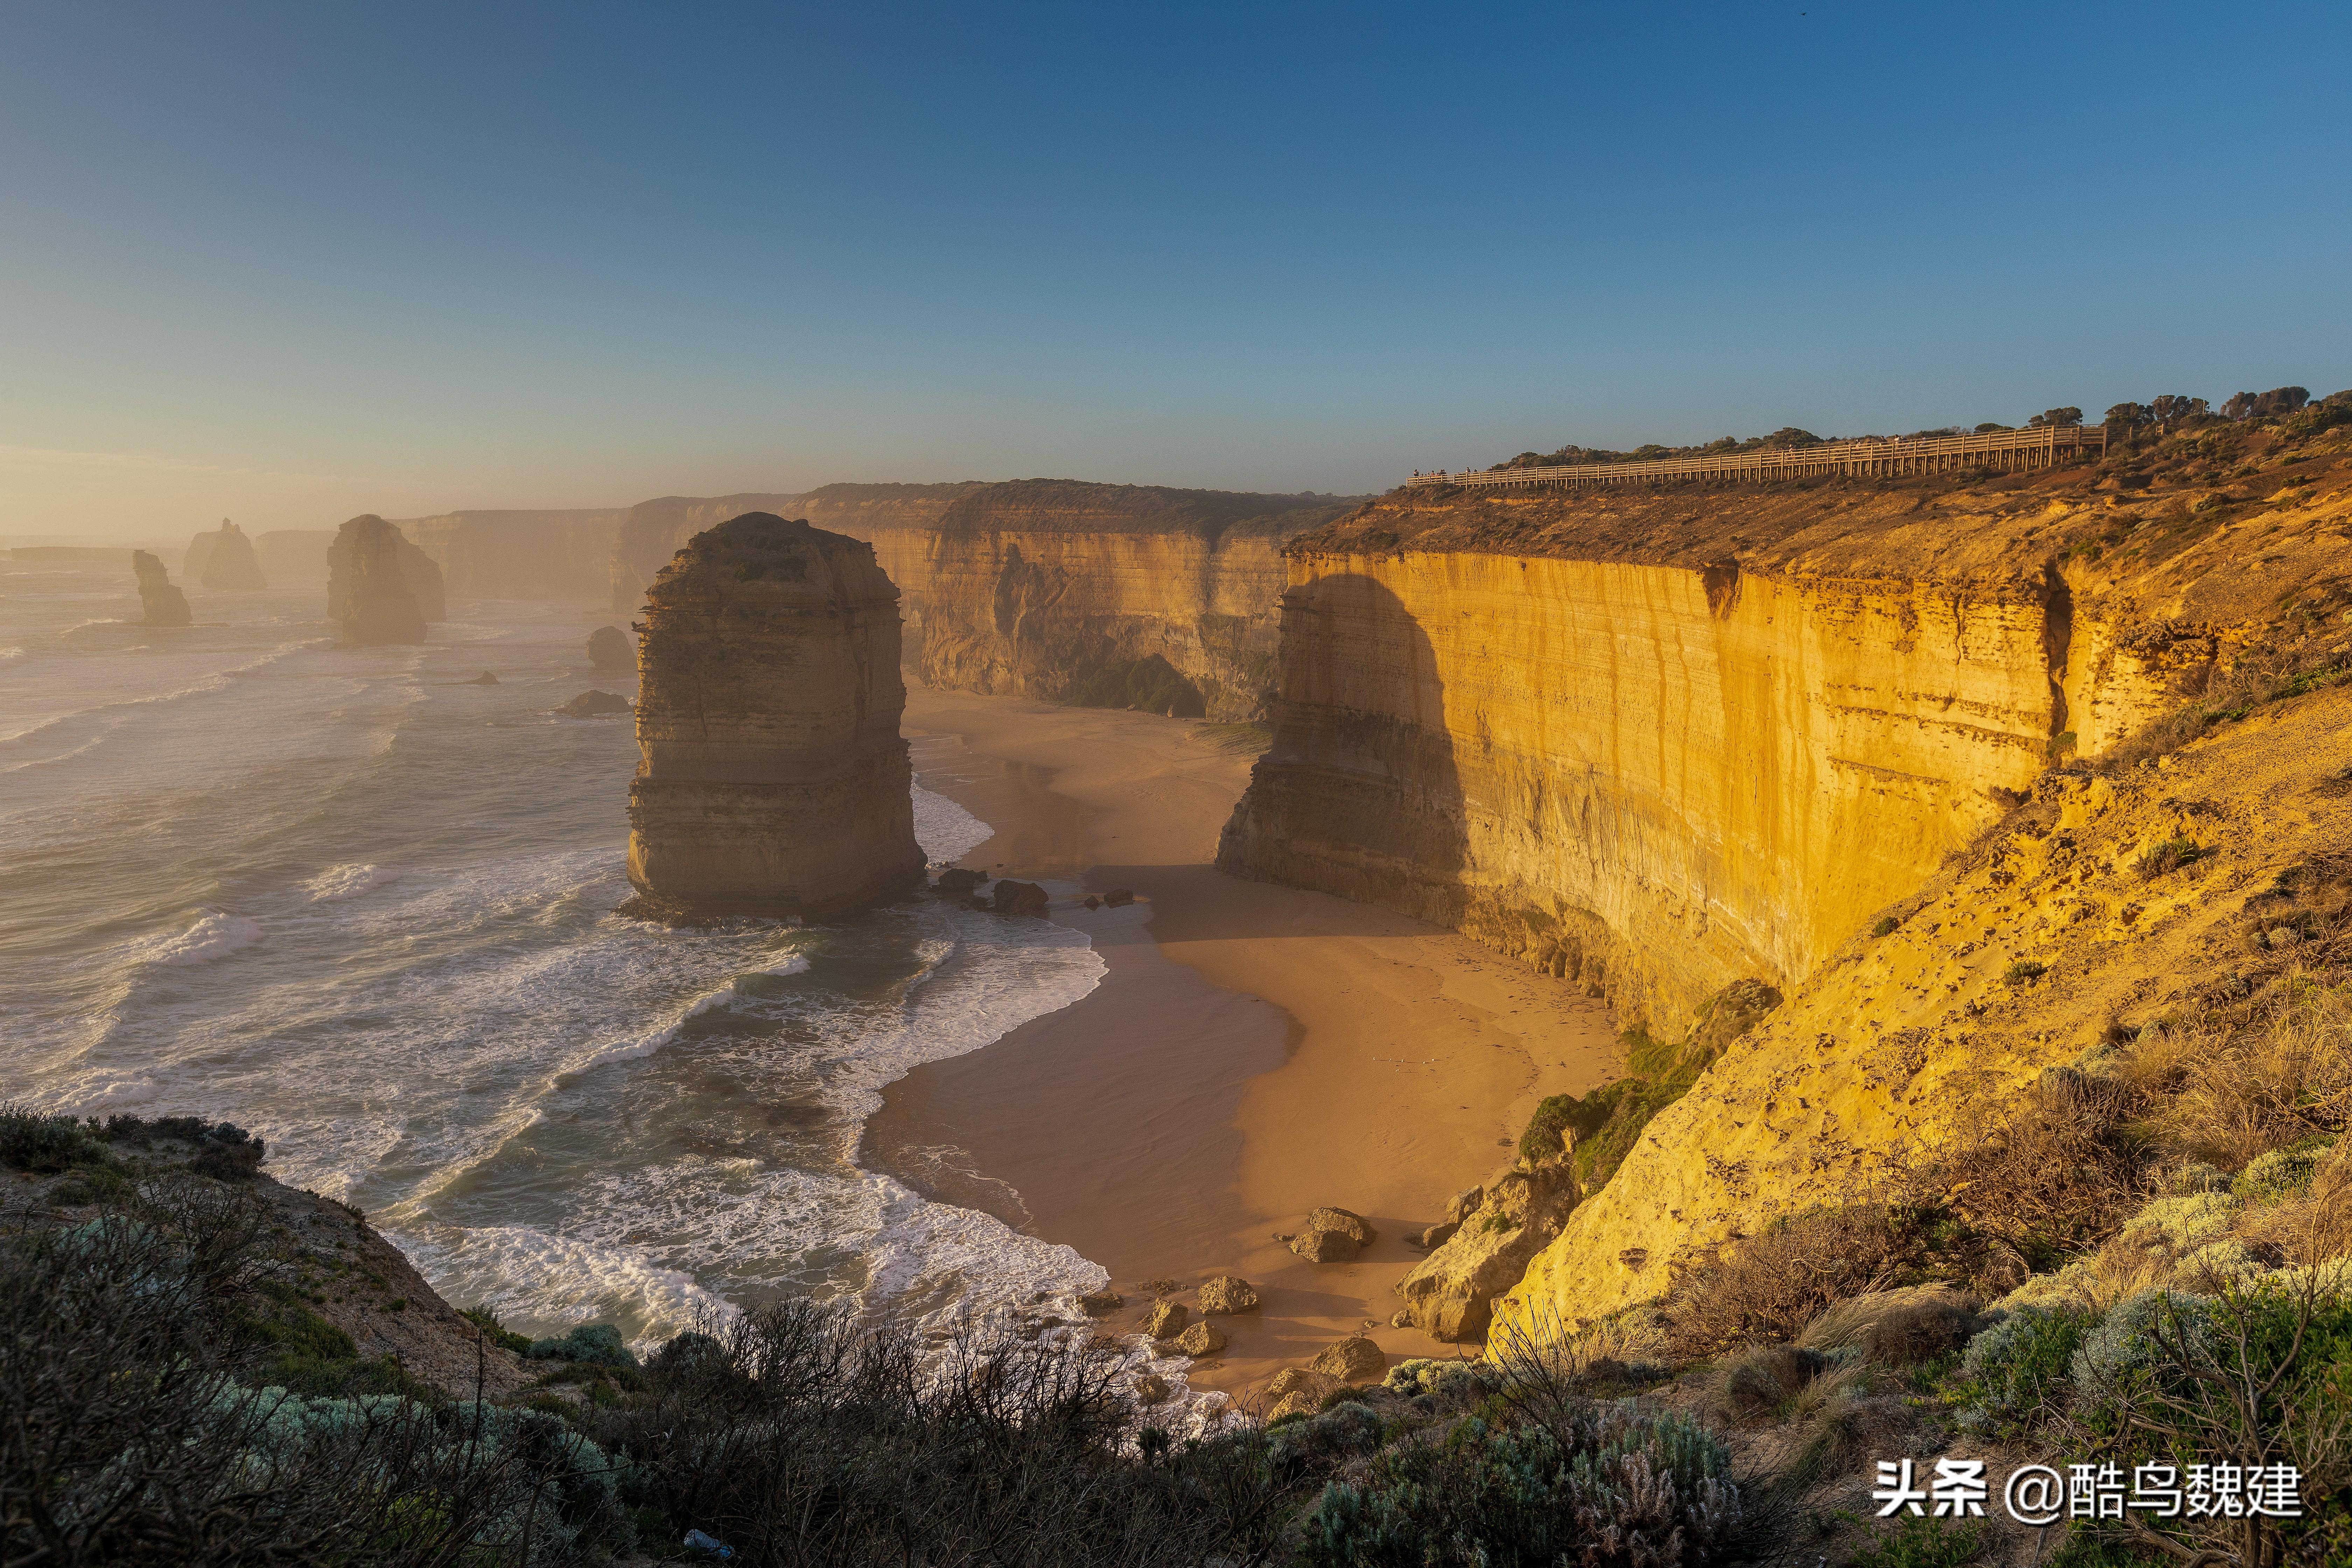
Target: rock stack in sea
point(368, 587)
point(608, 648)
point(164, 604)
point(773, 778)
point(230, 562)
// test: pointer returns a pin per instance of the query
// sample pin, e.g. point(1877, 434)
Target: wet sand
point(1253, 1051)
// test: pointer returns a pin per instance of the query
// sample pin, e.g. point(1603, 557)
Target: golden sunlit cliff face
point(1662, 742)
point(1061, 590)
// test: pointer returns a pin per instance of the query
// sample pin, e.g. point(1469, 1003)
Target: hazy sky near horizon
point(291, 263)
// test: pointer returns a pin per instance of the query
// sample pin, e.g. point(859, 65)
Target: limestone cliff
point(224, 560)
point(369, 593)
point(1059, 589)
point(773, 778)
point(1667, 740)
point(521, 554)
point(160, 604)
point(294, 555)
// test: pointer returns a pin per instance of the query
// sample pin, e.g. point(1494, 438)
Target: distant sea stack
point(415, 571)
point(608, 648)
point(228, 557)
point(368, 587)
point(165, 605)
point(773, 779)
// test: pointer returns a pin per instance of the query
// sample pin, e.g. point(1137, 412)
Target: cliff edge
point(773, 778)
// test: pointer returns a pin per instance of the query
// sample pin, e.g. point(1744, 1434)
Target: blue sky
point(291, 263)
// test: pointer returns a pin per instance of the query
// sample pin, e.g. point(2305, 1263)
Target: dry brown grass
point(2226, 1095)
point(1771, 1285)
point(2313, 1226)
point(2051, 1168)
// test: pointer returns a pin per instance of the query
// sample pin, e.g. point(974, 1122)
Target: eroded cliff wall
point(1664, 741)
point(773, 779)
point(521, 554)
point(1040, 586)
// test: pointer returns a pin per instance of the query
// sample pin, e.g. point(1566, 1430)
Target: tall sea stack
point(367, 589)
point(773, 779)
point(165, 605)
point(230, 562)
point(418, 573)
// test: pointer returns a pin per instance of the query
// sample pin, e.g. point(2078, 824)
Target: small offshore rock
point(1102, 1303)
point(608, 648)
point(485, 679)
point(957, 881)
point(1118, 896)
point(1166, 1320)
point(1020, 899)
point(1202, 1339)
point(1356, 1360)
point(1093, 902)
point(1227, 1294)
point(594, 705)
point(1150, 1388)
point(1325, 1247)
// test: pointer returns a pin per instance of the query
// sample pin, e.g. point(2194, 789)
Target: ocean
point(359, 908)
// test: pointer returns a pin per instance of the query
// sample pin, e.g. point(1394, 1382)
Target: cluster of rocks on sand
point(961, 885)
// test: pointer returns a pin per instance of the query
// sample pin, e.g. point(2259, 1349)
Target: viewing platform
point(2008, 451)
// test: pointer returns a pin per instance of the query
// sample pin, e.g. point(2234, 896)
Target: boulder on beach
point(1101, 1303)
point(1118, 896)
point(1465, 1203)
point(1226, 1294)
point(1020, 899)
point(1202, 1338)
point(164, 605)
point(608, 648)
point(1165, 1320)
point(958, 881)
point(1437, 1236)
point(1346, 1222)
point(1150, 1389)
point(1326, 1246)
point(1355, 1360)
point(594, 705)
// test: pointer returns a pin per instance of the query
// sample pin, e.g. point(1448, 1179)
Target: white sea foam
point(215, 935)
point(346, 881)
point(946, 831)
point(529, 1274)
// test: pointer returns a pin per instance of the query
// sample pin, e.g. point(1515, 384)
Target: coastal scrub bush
point(1611, 1486)
point(33, 1141)
point(2014, 1376)
point(2170, 854)
point(597, 1344)
point(484, 1319)
point(2128, 1358)
point(1769, 1286)
point(2024, 972)
point(1921, 1543)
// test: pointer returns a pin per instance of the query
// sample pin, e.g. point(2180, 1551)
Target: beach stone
point(1300, 1404)
point(593, 705)
point(1403, 1319)
point(1118, 896)
point(1202, 1339)
point(1347, 1222)
point(1166, 1320)
point(1356, 1360)
point(1020, 899)
point(1151, 1388)
point(1102, 1303)
point(1227, 1294)
point(1293, 1380)
point(1325, 1247)
point(1438, 1235)
point(959, 882)
point(1463, 1203)
point(1093, 902)
point(485, 679)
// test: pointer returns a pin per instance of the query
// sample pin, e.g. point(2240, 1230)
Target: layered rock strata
point(773, 778)
point(160, 604)
point(224, 560)
point(1062, 590)
point(369, 590)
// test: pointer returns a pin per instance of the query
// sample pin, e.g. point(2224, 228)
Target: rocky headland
point(773, 777)
point(160, 604)
point(1899, 749)
point(371, 589)
point(224, 560)
point(518, 555)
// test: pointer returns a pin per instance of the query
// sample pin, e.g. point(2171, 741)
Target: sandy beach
point(1252, 1052)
